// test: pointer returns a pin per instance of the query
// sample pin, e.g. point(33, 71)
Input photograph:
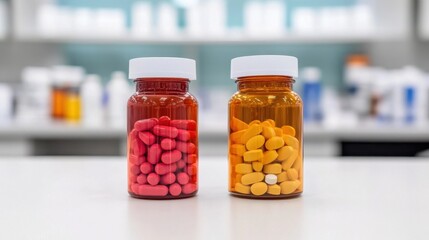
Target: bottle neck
point(265, 84)
point(162, 85)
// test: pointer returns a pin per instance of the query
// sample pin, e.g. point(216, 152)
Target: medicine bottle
point(265, 128)
point(162, 129)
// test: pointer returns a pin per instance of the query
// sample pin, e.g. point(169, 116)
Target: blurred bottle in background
point(59, 92)
point(312, 94)
point(141, 22)
point(358, 84)
point(34, 95)
point(65, 98)
point(92, 101)
point(118, 91)
point(73, 100)
point(6, 104)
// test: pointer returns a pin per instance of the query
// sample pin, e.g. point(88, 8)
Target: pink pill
point(154, 153)
point(184, 124)
point(175, 189)
point(189, 188)
point(138, 147)
point(146, 168)
point(186, 147)
point(182, 178)
point(191, 158)
point(153, 179)
point(132, 178)
point(168, 178)
point(162, 168)
point(147, 137)
point(148, 190)
point(183, 135)
point(164, 120)
point(135, 188)
point(191, 170)
point(171, 157)
point(145, 124)
point(142, 179)
point(135, 170)
point(133, 134)
point(136, 160)
point(193, 135)
point(181, 164)
point(168, 144)
point(165, 131)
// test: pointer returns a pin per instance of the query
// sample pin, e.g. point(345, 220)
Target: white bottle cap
point(162, 67)
point(264, 65)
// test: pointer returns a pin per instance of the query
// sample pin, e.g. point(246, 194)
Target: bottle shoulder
point(163, 99)
point(258, 98)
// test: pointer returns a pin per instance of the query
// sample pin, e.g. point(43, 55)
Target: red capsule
point(162, 168)
point(191, 170)
point(135, 188)
point(193, 135)
point(148, 190)
point(136, 160)
point(168, 144)
point(153, 179)
point(135, 170)
point(142, 179)
point(184, 124)
point(186, 147)
point(183, 135)
point(154, 153)
point(164, 120)
point(191, 158)
point(146, 168)
point(168, 179)
point(171, 157)
point(132, 178)
point(181, 164)
point(145, 124)
point(138, 147)
point(147, 137)
point(165, 131)
point(182, 178)
point(133, 134)
point(189, 188)
point(175, 189)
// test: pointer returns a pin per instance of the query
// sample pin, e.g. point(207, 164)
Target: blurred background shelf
point(389, 43)
point(216, 40)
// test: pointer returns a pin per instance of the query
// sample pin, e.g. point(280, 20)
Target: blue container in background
point(312, 94)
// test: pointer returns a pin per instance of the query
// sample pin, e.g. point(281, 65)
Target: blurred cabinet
point(392, 20)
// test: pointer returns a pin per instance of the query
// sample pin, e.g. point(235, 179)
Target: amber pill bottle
point(265, 128)
point(162, 129)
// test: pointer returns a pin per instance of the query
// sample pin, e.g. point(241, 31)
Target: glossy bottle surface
point(162, 140)
point(265, 138)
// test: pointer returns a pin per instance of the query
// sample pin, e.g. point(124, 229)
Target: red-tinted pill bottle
point(162, 149)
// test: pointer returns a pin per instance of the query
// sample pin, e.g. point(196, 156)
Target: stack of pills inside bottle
point(162, 158)
point(265, 158)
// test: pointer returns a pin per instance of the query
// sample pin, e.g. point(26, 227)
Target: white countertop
point(86, 198)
